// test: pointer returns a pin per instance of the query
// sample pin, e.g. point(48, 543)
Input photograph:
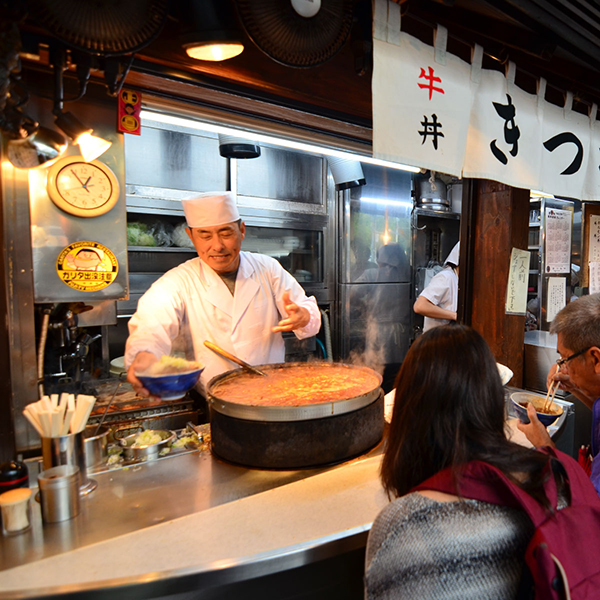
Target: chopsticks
point(550, 396)
point(56, 416)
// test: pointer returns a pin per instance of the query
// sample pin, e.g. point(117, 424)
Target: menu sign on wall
point(558, 240)
point(594, 239)
point(594, 280)
point(516, 290)
point(557, 297)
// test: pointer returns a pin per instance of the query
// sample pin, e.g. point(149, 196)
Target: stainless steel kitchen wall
point(53, 230)
point(375, 268)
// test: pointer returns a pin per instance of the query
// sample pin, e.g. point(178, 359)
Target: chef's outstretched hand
point(140, 363)
point(535, 431)
point(298, 316)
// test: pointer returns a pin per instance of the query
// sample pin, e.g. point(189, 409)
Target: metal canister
point(59, 493)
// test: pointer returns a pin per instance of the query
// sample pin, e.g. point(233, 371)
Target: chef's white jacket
point(443, 292)
point(191, 302)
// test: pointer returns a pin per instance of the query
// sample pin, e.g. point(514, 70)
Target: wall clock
point(83, 189)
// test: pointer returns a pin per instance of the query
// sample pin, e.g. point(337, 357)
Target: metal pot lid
point(302, 412)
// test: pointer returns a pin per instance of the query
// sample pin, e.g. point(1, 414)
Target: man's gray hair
point(579, 323)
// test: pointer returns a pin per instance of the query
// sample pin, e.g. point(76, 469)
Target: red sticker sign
point(130, 105)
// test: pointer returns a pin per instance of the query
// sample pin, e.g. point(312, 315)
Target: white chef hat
point(210, 209)
point(454, 255)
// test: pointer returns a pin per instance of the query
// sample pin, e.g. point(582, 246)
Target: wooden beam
point(500, 223)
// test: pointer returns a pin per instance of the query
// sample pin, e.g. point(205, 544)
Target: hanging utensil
point(235, 359)
point(108, 407)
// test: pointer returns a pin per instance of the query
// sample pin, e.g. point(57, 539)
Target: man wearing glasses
point(578, 370)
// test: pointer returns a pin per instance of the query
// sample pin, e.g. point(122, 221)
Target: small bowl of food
point(547, 415)
point(146, 444)
point(171, 377)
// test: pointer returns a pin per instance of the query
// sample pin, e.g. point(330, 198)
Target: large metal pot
point(431, 194)
point(290, 437)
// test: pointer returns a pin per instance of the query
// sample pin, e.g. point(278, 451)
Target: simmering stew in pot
point(310, 384)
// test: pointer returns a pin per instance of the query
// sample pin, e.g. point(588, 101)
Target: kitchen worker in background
point(577, 327)
point(240, 301)
point(438, 302)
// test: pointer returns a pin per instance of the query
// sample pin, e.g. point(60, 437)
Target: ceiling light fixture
point(90, 146)
point(213, 51)
point(231, 146)
point(41, 146)
point(210, 32)
point(158, 117)
point(346, 173)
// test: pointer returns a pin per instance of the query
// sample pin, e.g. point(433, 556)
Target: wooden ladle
point(235, 359)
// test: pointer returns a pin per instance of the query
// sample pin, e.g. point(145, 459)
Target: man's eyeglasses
point(563, 361)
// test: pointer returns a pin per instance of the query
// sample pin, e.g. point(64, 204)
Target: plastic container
point(13, 474)
point(16, 511)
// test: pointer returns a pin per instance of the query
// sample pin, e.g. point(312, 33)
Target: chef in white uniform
point(438, 302)
point(240, 301)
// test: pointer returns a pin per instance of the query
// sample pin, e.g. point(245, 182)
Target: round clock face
point(84, 189)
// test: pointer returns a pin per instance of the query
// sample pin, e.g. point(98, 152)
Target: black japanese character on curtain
point(567, 138)
point(431, 129)
point(511, 131)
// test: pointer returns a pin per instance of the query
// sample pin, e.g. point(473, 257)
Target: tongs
point(235, 359)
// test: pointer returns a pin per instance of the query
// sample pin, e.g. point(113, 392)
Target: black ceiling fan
point(297, 33)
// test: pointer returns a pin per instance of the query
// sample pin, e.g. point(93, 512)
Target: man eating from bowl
point(578, 370)
point(238, 300)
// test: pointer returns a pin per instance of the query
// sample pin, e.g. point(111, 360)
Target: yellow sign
point(129, 123)
point(87, 266)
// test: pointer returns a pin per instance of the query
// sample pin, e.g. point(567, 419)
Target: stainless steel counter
point(131, 500)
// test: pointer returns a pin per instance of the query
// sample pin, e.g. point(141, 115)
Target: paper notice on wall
point(518, 274)
point(557, 254)
point(557, 296)
point(594, 282)
point(594, 240)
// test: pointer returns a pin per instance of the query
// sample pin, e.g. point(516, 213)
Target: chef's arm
point(425, 307)
point(140, 363)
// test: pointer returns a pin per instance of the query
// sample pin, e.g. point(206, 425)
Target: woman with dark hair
point(449, 410)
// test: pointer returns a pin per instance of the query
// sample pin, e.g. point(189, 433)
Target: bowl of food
point(171, 377)
point(149, 443)
point(547, 415)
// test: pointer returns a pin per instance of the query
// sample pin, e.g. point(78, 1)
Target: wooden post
point(495, 220)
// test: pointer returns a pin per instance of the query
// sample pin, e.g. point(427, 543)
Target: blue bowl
point(522, 398)
point(170, 387)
